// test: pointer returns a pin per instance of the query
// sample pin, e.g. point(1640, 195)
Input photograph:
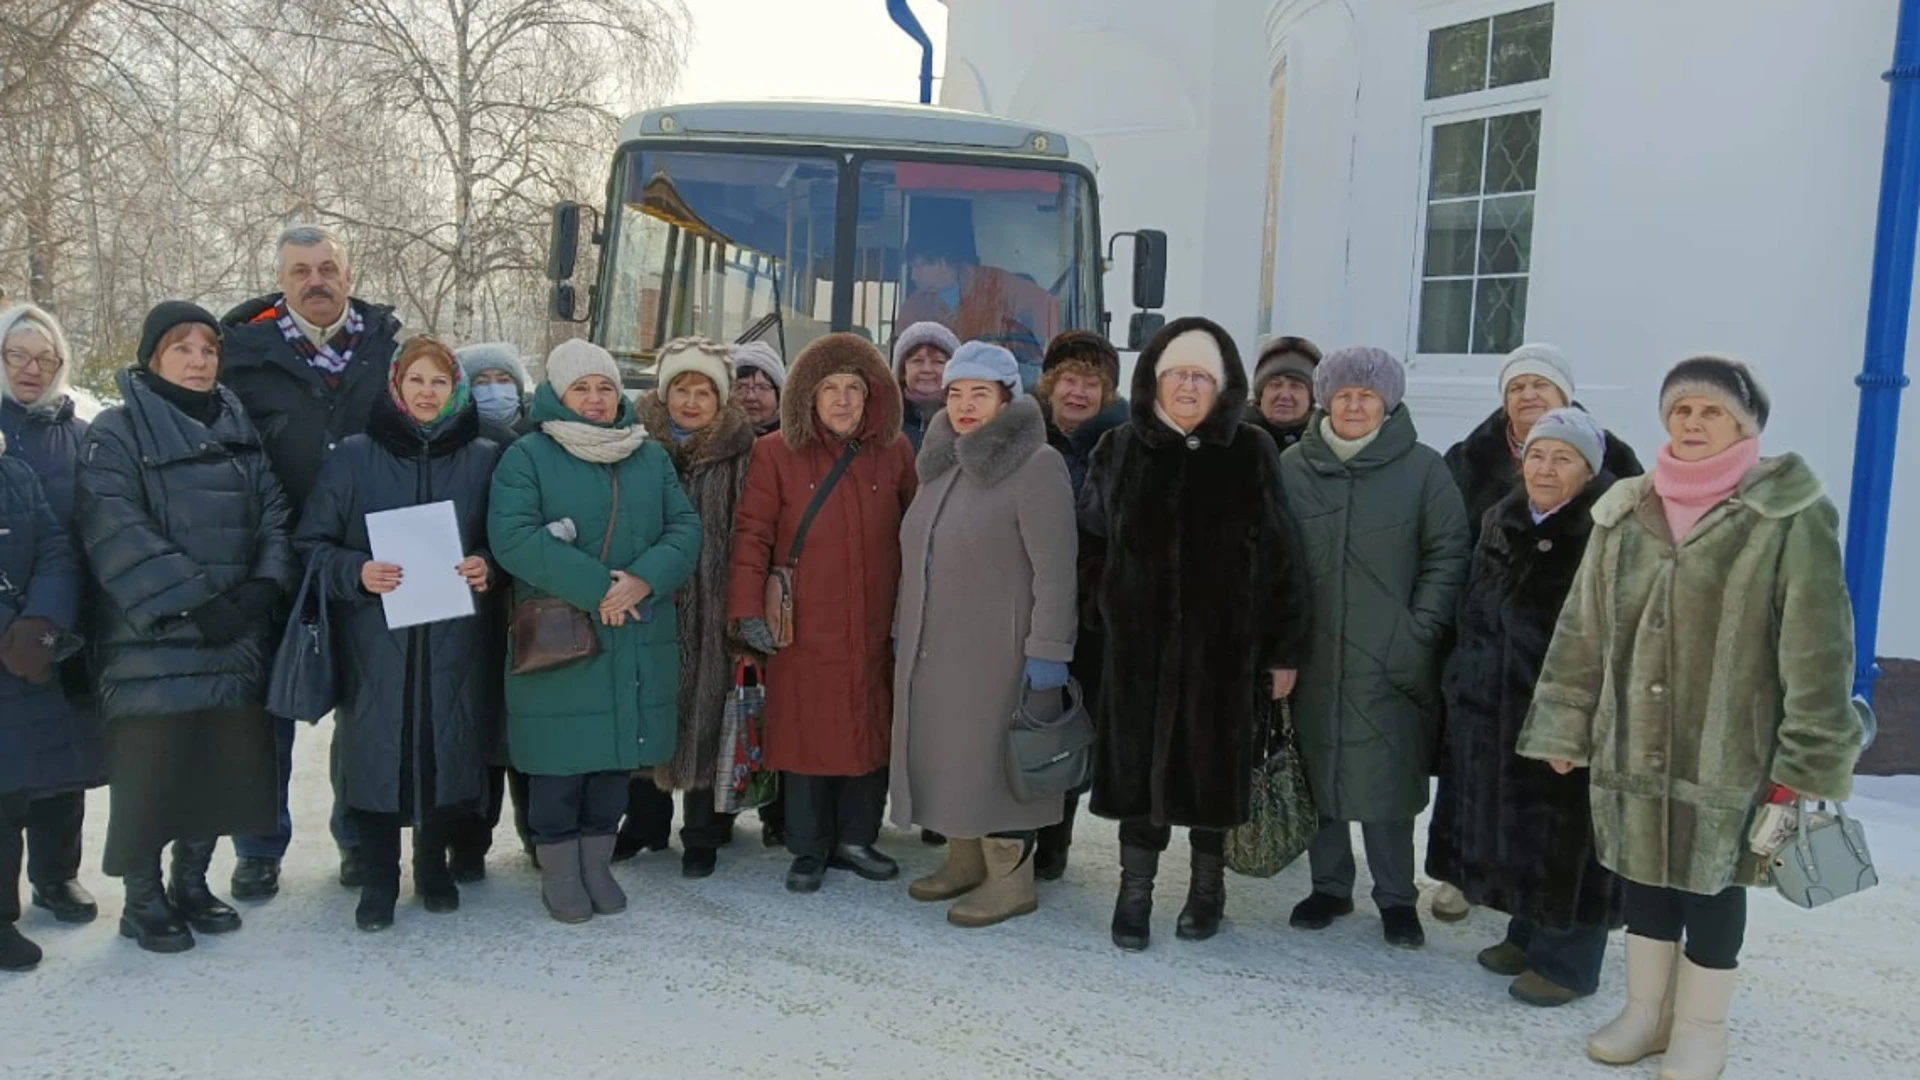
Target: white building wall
point(1707, 183)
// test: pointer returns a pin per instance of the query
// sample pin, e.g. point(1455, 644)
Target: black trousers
point(1389, 860)
point(564, 808)
point(54, 824)
point(703, 826)
point(1145, 834)
point(13, 825)
point(823, 811)
point(1715, 926)
point(473, 834)
point(649, 814)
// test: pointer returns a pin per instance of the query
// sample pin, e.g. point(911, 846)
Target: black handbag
point(1049, 753)
point(303, 682)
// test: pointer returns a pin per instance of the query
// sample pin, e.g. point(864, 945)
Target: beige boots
point(994, 876)
point(1673, 1007)
point(964, 870)
point(1008, 891)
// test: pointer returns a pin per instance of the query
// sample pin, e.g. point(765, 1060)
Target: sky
point(744, 49)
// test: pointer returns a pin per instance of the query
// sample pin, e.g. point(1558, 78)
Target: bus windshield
point(737, 245)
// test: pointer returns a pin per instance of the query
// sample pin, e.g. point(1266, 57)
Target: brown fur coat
point(712, 467)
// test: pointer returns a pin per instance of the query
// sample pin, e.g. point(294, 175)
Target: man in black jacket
point(308, 362)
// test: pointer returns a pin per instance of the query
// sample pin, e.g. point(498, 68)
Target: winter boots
point(148, 918)
point(1644, 1025)
point(1133, 910)
point(1206, 899)
point(596, 875)
point(561, 888)
point(189, 893)
point(963, 872)
point(1697, 1049)
point(67, 900)
point(16, 952)
point(1008, 890)
point(433, 878)
point(1450, 904)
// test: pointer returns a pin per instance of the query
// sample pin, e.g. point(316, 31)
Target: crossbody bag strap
point(820, 497)
point(613, 514)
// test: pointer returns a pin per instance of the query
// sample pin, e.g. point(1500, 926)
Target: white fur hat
point(702, 356)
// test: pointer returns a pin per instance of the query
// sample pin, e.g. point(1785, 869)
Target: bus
point(787, 220)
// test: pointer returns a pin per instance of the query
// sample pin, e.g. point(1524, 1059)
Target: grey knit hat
point(575, 359)
point(762, 357)
point(1361, 366)
point(1729, 382)
point(492, 356)
point(1543, 360)
point(1575, 427)
point(923, 333)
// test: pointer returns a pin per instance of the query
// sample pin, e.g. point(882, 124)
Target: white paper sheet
point(424, 541)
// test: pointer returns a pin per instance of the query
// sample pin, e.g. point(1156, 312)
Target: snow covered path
point(733, 977)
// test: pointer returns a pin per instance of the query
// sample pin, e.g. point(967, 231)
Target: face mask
point(497, 401)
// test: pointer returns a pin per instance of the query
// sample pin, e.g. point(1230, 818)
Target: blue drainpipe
point(1882, 377)
point(903, 18)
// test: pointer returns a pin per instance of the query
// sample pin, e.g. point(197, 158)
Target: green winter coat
point(617, 710)
point(1385, 538)
point(1688, 681)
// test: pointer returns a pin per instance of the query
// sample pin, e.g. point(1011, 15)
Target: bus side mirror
point(560, 303)
point(1149, 269)
point(1142, 328)
point(563, 243)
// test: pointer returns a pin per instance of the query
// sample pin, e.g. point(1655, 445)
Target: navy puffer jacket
point(173, 513)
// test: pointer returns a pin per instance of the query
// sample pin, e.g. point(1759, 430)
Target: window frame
point(1458, 108)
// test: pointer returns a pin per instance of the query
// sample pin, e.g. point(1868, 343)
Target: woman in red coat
point(829, 693)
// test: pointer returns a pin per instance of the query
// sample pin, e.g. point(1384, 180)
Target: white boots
point(1673, 1007)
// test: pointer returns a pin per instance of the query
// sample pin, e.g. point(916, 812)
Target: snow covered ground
point(734, 977)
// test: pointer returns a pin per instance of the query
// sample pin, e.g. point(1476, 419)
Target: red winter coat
point(830, 693)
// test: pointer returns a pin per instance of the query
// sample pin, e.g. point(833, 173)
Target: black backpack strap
point(819, 498)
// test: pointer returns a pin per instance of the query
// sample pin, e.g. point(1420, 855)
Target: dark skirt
point(187, 776)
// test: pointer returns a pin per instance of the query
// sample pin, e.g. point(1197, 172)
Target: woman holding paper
point(185, 530)
point(414, 725)
point(586, 510)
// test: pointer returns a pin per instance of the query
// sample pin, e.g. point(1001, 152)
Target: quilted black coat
point(448, 674)
point(1511, 833)
point(172, 513)
point(1200, 595)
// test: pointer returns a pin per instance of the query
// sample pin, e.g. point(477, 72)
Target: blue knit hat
point(980, 360)
point(1575, 427)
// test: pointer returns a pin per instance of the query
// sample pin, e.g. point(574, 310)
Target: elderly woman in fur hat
point(986, 618)
point(1203, 609)
point(1283, 388)
point(1387, 549)
point(710, 439)
point(1710, 619)
point(829, 691)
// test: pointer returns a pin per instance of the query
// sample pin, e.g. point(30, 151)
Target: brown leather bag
point(779, 588)
point(547, 631)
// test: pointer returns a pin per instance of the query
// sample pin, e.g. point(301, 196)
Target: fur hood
point(730, 434)
point(1778, 487)
point(1223, 422)
point(989, 455)
point(839, 354)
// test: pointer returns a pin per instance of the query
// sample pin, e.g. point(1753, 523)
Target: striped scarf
point(331, 359)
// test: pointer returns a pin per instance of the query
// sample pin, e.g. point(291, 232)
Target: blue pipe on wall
point(1882, 377)
point(903, 18)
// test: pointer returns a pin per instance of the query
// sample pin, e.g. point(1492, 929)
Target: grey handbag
point(1049, 751)
point(1825, 860)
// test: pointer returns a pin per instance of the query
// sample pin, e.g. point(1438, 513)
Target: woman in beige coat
point(987, 613)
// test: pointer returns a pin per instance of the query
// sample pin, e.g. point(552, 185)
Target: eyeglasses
point(46, 362)
point(1186, 378)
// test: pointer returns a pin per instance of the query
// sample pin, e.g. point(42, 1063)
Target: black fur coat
point(1508, 831)
point(1199, 596)
point(1483, 466)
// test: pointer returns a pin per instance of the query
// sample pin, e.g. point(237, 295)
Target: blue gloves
point(1045, 674)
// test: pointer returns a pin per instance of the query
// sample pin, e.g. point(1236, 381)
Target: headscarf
point(433, 351)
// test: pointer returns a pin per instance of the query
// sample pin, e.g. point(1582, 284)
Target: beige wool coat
point(988, 552)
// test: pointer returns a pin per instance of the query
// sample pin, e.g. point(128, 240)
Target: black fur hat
point(1729, 382)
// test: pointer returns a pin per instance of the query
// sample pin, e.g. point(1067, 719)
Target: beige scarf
point(593, 443)
point(1346, 449)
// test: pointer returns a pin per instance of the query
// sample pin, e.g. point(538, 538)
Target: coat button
point(1193, 442)
point(1545, 545)
point(1658, 689)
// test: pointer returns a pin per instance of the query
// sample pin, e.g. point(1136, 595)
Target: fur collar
point(729, 436)
point(1778, 487)
point(989, 455)
point(1223, 423)
point(837, 354)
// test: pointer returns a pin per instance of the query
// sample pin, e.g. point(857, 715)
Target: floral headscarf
point(435, 352)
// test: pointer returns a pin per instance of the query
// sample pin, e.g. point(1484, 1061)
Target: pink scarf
point(1688, 489)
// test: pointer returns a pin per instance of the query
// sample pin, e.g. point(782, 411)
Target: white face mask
point(497, 401)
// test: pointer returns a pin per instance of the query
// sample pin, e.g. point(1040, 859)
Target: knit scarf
point(593, 443)
point(330, 359)
point(1689, 489)
point(1346, 449)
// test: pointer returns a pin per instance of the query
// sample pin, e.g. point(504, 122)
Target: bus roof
point(858, 123)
